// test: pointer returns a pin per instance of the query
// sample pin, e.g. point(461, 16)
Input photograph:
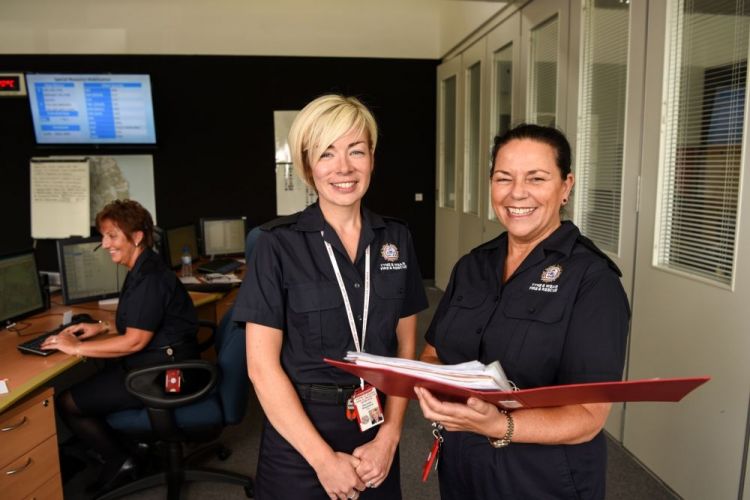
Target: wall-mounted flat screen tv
point(95, 109)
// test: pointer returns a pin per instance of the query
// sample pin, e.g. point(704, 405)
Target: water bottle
point(187, 262)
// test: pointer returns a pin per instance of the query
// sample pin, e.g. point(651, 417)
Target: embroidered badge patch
point(551, 273)
point(389, 252)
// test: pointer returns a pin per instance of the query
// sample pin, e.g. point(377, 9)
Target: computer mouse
point(82, 318)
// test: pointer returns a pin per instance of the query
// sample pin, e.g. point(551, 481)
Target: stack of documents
point(469, 375)
point(399, 377)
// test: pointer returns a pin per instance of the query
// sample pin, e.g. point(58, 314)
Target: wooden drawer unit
point(26, 425)
point(51, 490)
point(28, 449)
point(30, 471)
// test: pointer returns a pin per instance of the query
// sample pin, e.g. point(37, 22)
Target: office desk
point(29, 464)
point(27, 372)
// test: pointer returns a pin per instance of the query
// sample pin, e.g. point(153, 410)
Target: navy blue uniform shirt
point(561, 318)
point(290, 285)
point(154, 299)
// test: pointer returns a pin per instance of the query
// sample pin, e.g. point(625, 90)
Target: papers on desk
point(470, 375)
point(212, 278)
point(4, 386)
point(221, 278)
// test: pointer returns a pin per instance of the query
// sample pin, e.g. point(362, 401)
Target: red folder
point(399, 384)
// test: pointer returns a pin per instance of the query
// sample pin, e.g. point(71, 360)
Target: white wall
point(335, 28)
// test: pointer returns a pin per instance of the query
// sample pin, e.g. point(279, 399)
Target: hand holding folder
point(401, 383)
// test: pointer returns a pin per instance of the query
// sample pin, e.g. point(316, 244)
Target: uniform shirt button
point(479, 330)
point(460, 298)
point(532, 309)
point(359, 317)
point(357, 285)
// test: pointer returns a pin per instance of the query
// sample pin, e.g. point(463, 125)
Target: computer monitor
point(95, 109)
point(86, 271)
point(21, 292)
point(223, 235)
point(178, 238)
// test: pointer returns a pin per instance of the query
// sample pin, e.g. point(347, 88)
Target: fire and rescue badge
point(551, 273)
point(390, 255)
point(389, 252)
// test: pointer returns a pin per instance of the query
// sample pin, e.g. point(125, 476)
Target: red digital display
point(10, 83)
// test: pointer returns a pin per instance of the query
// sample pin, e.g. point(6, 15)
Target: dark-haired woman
point(546, 303)
point(156, 322)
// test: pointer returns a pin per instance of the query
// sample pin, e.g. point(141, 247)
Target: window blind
point(703, 124)
point(601, 121)
point(543, 78)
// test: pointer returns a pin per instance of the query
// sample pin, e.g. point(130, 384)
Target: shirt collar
point(311, 220)
point(562, 240)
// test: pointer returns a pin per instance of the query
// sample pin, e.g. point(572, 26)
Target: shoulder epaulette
point(592, 246)
point(287, 220)
point(395, 219)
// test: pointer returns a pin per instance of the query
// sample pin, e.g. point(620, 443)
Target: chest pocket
point(457, 337)
point(316, 308)
point(390, 286)
point(538, 335)
point(542, 309)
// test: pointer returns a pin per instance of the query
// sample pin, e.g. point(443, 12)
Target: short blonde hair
point(321, 123)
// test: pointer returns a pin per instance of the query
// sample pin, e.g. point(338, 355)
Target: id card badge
point(173, 380)
point(367, 406)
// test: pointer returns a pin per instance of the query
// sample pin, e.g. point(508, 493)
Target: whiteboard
point(60, 194)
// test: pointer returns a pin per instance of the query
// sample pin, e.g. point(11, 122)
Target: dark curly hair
point(547, 135)
point(129, 216)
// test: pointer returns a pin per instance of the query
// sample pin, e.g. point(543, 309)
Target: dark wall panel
point(214, 125)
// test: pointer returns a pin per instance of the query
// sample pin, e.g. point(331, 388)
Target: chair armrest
point(204, 323)
point(147, 385)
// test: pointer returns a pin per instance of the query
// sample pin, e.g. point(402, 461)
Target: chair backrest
point(234, 387)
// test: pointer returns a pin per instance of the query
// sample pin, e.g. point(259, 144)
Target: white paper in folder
point(59, 198)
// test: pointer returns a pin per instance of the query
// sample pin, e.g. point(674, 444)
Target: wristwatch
point(505, 440)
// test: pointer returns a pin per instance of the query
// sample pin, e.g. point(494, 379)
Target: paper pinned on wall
point(60, 193)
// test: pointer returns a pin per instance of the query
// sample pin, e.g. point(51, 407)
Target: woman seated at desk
point(156, 322)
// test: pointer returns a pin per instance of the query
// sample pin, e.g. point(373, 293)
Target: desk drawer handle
point(14, 426)
point(20, 469)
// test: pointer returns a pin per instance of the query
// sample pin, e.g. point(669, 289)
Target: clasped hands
point(366, 467)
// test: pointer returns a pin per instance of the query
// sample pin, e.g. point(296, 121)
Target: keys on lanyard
point(432, 457)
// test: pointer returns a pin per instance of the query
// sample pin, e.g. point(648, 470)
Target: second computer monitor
point(21, 293)
point(86, 271)
point(223, 235)
point(177, 239)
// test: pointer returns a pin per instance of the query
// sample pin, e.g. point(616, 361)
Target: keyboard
point(33, 346)
point(221, 266)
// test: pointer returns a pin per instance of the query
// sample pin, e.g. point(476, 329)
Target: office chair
point(200, 415)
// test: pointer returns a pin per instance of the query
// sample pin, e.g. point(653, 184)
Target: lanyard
point(345, 296)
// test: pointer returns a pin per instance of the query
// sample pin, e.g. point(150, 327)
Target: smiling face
point(342, 173)
point(121, 249)
point(528, 190)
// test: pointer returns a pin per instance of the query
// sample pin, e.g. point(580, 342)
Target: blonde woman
point(330, 279)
